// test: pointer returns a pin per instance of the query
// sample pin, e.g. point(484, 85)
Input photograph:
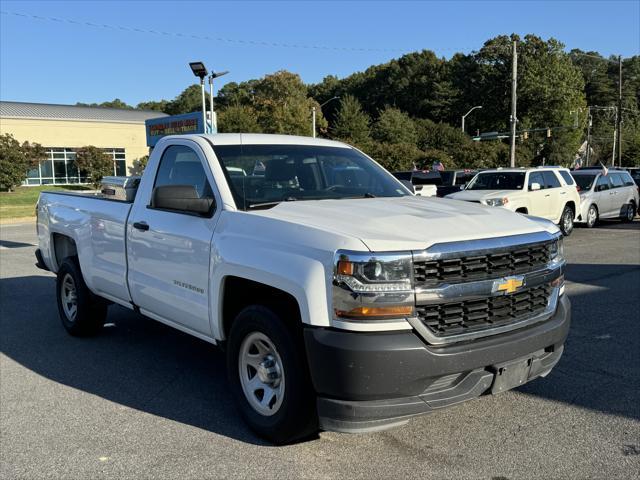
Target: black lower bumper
point(40, 261)
point(369, 381)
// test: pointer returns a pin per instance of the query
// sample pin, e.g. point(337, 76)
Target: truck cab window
point(180, 165)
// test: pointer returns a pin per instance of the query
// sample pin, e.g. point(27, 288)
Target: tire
point(629, 213)
point(81, 312)
point(566, 221)
point(592, 216)
point(280, 373)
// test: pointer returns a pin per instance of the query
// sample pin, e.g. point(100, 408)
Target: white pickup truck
point(343, 302)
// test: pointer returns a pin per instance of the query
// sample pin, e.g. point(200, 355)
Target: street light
point(465, 115)
point(214, 120)
point(313, 121)
point(200, 71)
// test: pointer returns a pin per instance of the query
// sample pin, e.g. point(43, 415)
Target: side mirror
point(409, 185)
point(534, 186)
point(600, 188)
point(181, 198)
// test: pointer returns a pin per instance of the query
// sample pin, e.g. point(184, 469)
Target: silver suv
point(605, 194)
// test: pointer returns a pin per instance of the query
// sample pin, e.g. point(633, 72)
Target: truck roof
point(262, 139)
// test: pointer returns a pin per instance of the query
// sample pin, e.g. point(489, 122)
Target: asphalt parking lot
point(143, 400)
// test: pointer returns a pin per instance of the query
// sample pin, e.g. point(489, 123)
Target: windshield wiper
point(271, 204)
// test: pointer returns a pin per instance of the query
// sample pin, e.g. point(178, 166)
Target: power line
point(241, 42)
point(197, 37)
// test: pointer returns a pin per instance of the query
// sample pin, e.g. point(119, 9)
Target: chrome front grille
point(454, 318)
point(477, 267)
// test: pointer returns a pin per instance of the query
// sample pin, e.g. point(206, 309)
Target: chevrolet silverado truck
point(343, 302)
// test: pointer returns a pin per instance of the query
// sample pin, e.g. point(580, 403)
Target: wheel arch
point(240, 292)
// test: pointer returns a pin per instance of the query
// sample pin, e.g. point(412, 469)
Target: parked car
point(454, 181)
point(342, 301)
point(604, 194)
point(547, 192)
point(424, 182)
point(635, 174)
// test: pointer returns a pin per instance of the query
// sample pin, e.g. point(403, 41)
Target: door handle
point(142, 226)
point(563, 193)
point(548, 195)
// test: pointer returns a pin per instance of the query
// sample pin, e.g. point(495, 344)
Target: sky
point(63, 60)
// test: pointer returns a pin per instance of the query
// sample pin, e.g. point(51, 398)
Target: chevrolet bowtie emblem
point(508, 285)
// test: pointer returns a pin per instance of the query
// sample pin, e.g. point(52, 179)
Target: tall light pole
point(466, 114)
point(200, 71)
point(313, 116)
point(514, 98)
point(214, 120)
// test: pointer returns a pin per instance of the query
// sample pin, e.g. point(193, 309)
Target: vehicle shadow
point(150, 367)
point(134, 361)
point(599, 369)
point(617, 225)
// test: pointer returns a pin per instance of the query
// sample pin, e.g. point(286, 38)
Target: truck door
point(169, 248)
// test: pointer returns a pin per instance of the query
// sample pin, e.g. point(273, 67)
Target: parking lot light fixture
point(313, 115)
point(214, 121)
point(200, 71)
point(466, 114)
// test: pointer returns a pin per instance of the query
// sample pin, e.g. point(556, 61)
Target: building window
point(59, 168)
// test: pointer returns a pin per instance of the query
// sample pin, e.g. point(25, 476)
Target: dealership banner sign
point(174, 125)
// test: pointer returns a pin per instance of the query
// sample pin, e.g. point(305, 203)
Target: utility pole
point(619, 115)
point(313, 122)
point(514, 97)
point(590, 122)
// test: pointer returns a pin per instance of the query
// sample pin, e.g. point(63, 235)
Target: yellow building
point(63, 128)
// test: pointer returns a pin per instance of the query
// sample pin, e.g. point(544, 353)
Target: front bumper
point(372, 381)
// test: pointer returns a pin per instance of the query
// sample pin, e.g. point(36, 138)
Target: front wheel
point(81, 312)
point(629, 213)
point(592, 216)
point(566, 221)
point(269, 378)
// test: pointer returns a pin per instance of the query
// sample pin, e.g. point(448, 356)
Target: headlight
point(373, 286)
point(556, 250)
point(496, 202)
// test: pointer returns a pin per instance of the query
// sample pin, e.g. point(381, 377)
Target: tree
point(190, 100)
point(94, 163)
point(395, 126)
point(115, 103)
point(238, 119)
point(138, 166)
point(16, 159)
point(394, 157)
point(352, 124)
point(159, 106)
point(283, 105)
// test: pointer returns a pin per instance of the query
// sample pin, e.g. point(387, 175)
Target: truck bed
point(97, 226)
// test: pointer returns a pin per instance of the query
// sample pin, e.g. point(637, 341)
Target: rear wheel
point(81, 312)
point(629, 213)
point(268, 375)
point(592, 216)
point(566, 221)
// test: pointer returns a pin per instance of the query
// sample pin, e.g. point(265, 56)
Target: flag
point(605, 171)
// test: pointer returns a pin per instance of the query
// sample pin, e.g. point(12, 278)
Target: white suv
point(547, 192)
point(605, 194)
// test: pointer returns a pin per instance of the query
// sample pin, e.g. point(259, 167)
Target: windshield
point(497, 181)
point(584, 182)
point(276, 173)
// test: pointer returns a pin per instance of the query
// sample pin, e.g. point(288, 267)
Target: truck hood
point(406, 223)
point(479, 195)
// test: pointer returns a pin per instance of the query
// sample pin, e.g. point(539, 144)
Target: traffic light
point(548, 133)
point(525, 134)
